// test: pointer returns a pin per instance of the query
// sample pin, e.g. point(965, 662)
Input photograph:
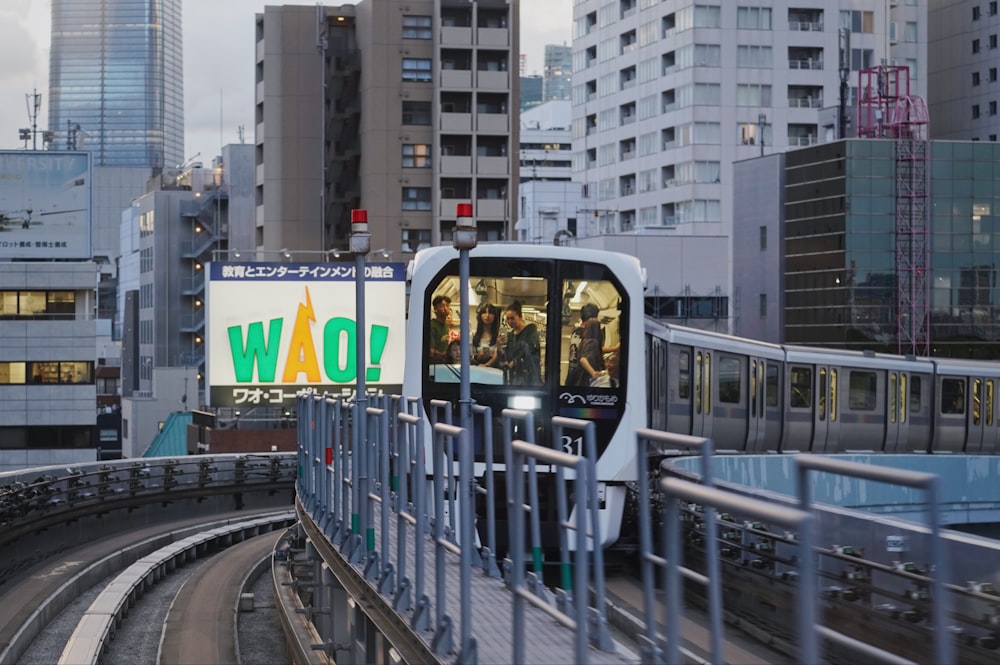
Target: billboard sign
point(273, 329)
point(45, 204)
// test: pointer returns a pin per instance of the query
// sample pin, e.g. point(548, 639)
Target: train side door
point(701, 417)
point(897, 415)
point(771, 401)
point(764, 419)
point(680, 402)
point(981, 416)
point(953, 414)
point(826, 429)
point(800, 406)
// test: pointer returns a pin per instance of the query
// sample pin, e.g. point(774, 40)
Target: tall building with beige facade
point(401, 108)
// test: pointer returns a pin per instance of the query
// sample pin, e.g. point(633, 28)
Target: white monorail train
point(745, 395)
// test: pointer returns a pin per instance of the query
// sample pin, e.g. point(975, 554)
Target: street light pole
point(464, 239)
point(361, 244)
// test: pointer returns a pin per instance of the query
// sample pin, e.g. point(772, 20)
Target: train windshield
point(544, 336)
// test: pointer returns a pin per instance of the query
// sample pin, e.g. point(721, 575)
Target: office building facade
point(667, 95)
point(401, 108)
point(964, 74)
point(557, 79)
point(116, 83)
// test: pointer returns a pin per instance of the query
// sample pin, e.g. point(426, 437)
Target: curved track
point(25, 610)
point(201, 625)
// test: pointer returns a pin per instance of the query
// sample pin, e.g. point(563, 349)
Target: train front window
point(591, 334)
point(507, 330)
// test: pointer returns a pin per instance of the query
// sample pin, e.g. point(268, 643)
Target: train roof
point(685, 335)
point(966, 366)
point(626, 267)
point(820, 356)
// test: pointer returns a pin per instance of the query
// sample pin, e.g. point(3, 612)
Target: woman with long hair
point(484, 342)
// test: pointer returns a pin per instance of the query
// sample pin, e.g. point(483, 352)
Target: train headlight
point(525, 403)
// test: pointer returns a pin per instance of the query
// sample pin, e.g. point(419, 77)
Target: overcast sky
point(218, 64)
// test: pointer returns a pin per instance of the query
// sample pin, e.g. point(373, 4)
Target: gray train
point(756, 397)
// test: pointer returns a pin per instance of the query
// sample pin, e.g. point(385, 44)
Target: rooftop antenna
point(33, 100)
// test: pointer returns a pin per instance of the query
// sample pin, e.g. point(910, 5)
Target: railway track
point(34, 609)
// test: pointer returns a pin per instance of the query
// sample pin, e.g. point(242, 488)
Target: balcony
point(805, 26)
point(805, 102)
point(806, 64)
point(458, 165)
point(456, 122)
point(491, 80)
point(490, 208)
point(456, 36)
point(492, 166)
point(456, 78)
point(492, 122)
point(493, 36)
point(801, 140)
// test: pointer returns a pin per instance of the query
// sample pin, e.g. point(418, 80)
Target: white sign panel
point(273, 329)
point(45, 203)
point(895, 544)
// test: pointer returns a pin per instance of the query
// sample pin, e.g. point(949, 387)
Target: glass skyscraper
point(116, 84)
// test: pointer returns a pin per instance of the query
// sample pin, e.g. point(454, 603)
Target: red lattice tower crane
point(887, 110)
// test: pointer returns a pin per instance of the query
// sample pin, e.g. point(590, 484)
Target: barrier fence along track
point(346, 479)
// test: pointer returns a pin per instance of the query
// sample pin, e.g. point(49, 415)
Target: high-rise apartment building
point(667, 95)
point(557, 80)
point(963, 79)
point(116, 81)
point(402, 108)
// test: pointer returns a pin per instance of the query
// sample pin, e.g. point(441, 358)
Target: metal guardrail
point(944, 648)
point(676, 490)
point(344, 481)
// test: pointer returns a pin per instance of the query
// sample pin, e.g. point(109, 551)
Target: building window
point(975, 13)
point(993, 41)
point(416, 155)
point(975, 111)
point(975, 46)
point(417, 27)
point(753, 18)
point(763, 238)
point(858, 21)
point(993, 108)
point(993, 137)
point(417, 69)
point(993, 8)
point(975, 78)
point(993, 74)
point(416, 113)
point(413, 240)
point(37, 305)
point(762, 305)
point(416, 198)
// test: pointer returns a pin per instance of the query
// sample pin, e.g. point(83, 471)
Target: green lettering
point(256, 351)
point(335, 330)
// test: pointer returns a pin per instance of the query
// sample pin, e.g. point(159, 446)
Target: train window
point(707, 382)
point(862, 391)
point(801, 394)
point(902, 398)
point(697, 382)
point(833, 394)
point(771, 385)
point(914, 394)
point(507, 330)
point(753, 388)
point(822, 394)
point(989, 402)
point(729, 380)
point(952, 396)
point(892, 397)
point(591, 338)
point(977, 396)
point(684, 375)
